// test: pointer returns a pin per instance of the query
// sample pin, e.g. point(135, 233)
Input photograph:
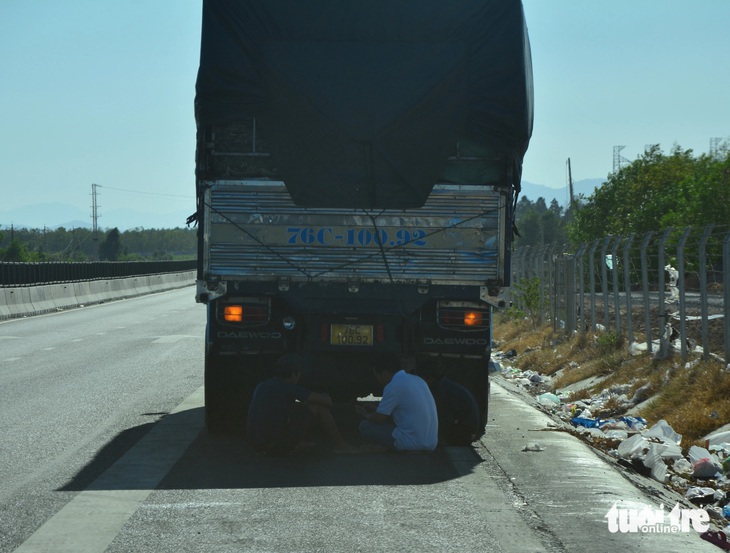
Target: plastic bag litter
point(548, 399)
point(669, 450)
point(533, 447)
point(664, 432)
point(616, 434)
point(683, 466)
point(633, 448)
point(586, 422)
point(655, 462)
point(719, 438)
point(695, 492)
point(636, 423)
point(706, 468)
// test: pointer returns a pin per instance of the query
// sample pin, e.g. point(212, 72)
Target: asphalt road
point(103, 449)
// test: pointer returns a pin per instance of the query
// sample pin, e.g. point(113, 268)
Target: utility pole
point(94, 211)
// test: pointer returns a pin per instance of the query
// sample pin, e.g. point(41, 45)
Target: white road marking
point(92, 519)
point(172, 339)
point(48, 349)
point(12, 359)
point(78, 340)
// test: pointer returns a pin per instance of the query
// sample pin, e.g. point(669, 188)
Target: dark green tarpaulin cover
point(361, 103)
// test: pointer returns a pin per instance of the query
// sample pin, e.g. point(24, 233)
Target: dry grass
point(693, 401)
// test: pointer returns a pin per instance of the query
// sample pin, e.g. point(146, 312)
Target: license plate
point(351, 335)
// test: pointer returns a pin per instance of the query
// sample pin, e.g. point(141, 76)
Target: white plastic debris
point(706, 464)
point(718, 438)
point(669, 450)
point(616, 434)
point(696, 492)
point(655, 462)
point(548, 399)
point(664, 432)
point(635, 447)
point(683, 466)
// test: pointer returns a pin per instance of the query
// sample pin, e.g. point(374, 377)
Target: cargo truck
point(357, 171)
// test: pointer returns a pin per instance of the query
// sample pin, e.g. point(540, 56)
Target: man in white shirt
point(406, 417)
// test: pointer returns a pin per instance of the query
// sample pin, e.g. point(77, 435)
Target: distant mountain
point(532, 192)
point(56, 215)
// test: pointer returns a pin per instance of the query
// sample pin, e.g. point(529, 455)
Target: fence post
point(663, 337)
point(614, 276)
point(581, 298)
point(627, 289)
point(645, 289)
point(726, 293)
point(681, 288)
point(592, 291)
point(551, 280)
point(604, 281)
point(703, 293)
point(569, 279)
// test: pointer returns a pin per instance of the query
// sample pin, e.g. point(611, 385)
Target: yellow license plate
point(351, 335)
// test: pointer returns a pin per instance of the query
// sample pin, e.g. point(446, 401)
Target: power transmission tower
point(618, 159)
point(94, 211)
point(715, 146)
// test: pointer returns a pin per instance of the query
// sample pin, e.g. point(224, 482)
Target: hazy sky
point(101, 91)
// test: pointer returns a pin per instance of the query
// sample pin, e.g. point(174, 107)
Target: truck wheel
point(227, 394)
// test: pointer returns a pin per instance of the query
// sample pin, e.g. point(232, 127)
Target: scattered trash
point(642, 394)
point(636, 423)
point(548, 399)
point(682, 466)
point(616, 434)
point(664, 432)
point(706, 465)
point(584, 421)
point(633, 448)
point(716, 537)
point(718, 438)
point(655, 462)
point(654, 452)
point(700, 496)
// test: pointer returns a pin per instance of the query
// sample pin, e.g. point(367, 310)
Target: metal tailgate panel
point(254, 231)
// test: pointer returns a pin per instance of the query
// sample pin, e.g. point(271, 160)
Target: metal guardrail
point(664, 291)
point(34, 274)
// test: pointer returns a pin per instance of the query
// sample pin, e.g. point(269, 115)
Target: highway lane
point(73, 383)
point(104, 450)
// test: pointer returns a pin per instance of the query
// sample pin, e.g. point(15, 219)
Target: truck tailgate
point(254, 231)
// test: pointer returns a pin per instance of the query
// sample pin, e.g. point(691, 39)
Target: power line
point(146, 193)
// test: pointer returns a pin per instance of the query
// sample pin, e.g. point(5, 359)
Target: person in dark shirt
point(458, 412)
point(283, 413)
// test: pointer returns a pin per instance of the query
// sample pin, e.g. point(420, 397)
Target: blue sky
point(101, 91)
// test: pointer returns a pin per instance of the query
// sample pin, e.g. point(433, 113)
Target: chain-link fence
point(660, 292)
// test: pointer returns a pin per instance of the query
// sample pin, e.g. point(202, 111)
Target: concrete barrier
point(36, 300)
point(41, 298)
point(18, 302)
